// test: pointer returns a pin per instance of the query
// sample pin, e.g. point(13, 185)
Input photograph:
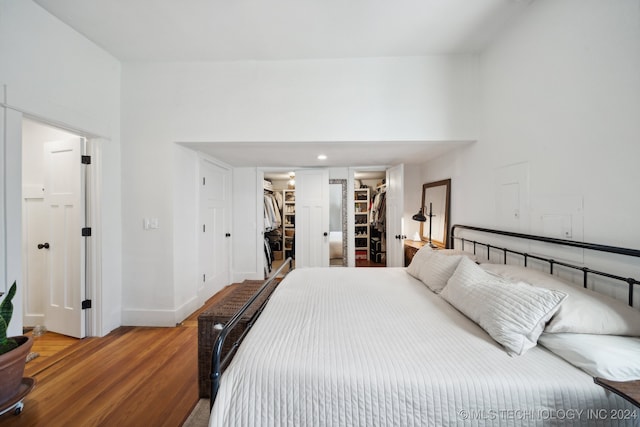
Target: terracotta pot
point(12, 368)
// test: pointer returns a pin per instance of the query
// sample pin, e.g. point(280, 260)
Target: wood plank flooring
point(135, 376)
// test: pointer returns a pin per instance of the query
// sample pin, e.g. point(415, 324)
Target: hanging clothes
point(379, 210)
point(272, 218)
point(268, 255)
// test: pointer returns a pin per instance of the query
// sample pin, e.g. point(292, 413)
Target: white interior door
point(36, 256)
point(215, 236)
point(312, 218)
point(395, 210)
point(64, 285)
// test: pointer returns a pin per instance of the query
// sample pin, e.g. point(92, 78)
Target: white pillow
point(417, 260)
point(514, 314)
point(611, 357)
point(425, 251)
point(584, 311)
point(437, 268)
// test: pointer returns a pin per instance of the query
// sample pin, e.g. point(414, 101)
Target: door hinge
point(204, 277)
point(86, 232)
point(86, 160)
point(86, 304)
point(203, 180)
point(204, 228)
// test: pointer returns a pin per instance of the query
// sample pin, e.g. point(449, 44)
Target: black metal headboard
point(571, 243)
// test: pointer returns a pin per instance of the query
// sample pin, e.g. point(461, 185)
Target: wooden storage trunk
point(221, 312)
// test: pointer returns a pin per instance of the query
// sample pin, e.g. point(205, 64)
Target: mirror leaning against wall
point(338, 223)
point(435, 207)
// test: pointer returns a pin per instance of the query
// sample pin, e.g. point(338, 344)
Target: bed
point(416, 346)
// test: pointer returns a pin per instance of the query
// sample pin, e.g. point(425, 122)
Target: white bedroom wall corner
point(185, 224)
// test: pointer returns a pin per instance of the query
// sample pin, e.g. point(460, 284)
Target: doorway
point(370, 218)
point(53, 238)
point(279, 231)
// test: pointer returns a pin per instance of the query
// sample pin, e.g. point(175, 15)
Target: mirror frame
point(343, 183)
point(424, 225)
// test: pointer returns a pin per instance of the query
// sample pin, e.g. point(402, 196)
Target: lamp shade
point(419, 216)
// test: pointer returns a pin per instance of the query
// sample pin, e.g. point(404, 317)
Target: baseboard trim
point(158, 318)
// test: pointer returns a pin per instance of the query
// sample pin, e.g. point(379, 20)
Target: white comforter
point(375, 347)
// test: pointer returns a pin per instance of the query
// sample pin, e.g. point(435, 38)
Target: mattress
point(375, 347)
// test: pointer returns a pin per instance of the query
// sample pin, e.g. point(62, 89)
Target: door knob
point(43, 245)
point(325, 234)
point(227, 235)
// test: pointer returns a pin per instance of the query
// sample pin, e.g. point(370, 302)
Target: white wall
point(53, 73)
point(376, 99)
point(560, 97)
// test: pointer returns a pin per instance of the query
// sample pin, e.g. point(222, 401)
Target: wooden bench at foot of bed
point(220, 313)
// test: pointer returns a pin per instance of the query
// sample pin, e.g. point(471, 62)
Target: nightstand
point(630, 390)
point(410, 249)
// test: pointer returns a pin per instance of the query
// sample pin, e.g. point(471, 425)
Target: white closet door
point(214, 240)
point(395, 209)
point(312, 218)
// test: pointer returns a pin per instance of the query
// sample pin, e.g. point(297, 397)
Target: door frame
point(351, 244)
point(92, 195)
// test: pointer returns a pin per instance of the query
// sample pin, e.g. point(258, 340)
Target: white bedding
point(375, 347)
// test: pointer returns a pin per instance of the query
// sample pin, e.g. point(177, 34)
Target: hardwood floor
point(135, 376)
point(366, 263)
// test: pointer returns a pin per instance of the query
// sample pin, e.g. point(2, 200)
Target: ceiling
point(225, 30)
point(339, 154)
point(255, 30)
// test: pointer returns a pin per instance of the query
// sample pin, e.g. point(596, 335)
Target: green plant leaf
point(7, 346)
point(6, 311)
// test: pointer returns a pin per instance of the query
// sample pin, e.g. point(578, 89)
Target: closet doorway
point(370, 219)
point(279, 197)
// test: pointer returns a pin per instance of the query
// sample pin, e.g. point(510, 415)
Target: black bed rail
point(631, 282)
point(217, 362)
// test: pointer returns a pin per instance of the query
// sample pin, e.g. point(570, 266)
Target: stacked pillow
point(592, 331)
point(585, 311)
point(514, 314)
point(515, 305)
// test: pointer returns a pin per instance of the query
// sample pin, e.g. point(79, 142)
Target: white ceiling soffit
point(223, 30)
point(293, 155)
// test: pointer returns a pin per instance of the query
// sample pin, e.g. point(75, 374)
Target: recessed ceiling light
point(322, 157)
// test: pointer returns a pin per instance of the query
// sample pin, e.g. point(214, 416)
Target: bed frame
point(631, 282)
point(219, 363)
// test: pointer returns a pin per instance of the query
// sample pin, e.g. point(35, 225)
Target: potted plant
point(13, 351)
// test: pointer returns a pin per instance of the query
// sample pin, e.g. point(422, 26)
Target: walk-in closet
point(279, 219)
point(370, 218)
